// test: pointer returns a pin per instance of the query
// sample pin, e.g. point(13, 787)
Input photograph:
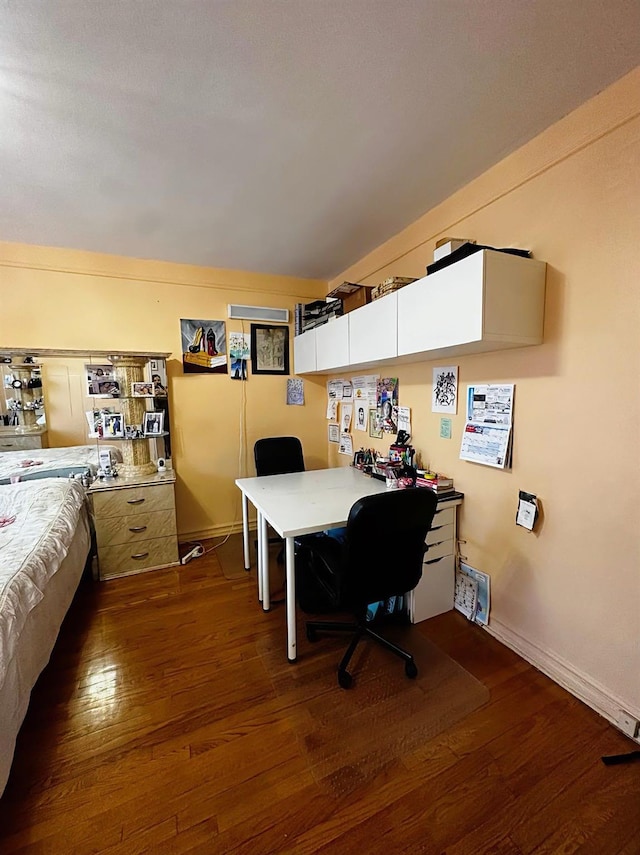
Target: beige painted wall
point(570, 593)
point(54, 298)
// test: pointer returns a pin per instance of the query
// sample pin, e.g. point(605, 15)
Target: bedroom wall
point(567, 596)
point(56, 298)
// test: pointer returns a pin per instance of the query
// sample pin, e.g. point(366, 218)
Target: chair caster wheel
point(410, 670)
point(312, 635)
point(345, 679)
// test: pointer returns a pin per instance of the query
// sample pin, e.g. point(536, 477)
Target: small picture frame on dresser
point(153, 423)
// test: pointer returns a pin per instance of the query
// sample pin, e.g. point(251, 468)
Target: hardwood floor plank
point(159, 726)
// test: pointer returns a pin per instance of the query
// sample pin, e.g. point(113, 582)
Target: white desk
point(306, 502)
point(296, 504)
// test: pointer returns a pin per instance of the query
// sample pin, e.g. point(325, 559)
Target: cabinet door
point(332, 344)
point(443, 309)
point(373, 331)
point(304, 352)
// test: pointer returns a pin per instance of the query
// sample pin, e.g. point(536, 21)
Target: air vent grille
point(258, 313)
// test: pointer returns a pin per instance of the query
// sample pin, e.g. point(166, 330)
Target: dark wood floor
point(156, 729)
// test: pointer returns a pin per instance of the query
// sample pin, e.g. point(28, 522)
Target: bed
point(52, 462)
point(44, 545)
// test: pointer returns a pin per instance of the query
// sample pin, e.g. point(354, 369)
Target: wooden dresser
point(135, 524)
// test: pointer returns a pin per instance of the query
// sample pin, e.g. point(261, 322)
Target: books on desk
point(438, 483)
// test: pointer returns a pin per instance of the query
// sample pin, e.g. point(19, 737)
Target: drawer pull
point(137, 528)
point(140, 555)
point(135, 501)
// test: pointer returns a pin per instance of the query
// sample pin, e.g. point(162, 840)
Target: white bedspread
point(47, 462)
point(32, 549)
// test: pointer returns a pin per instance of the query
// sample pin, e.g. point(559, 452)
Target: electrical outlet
point(628, 724)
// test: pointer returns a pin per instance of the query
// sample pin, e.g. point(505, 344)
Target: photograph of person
point(153, 424)
point(159, 389)
point(113, 424)
point(142, 390)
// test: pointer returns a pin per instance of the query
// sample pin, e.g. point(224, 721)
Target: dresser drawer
point(434, 593)
point(132, 528)
point(438, 550)
point(133, 500)
point(444, 517)
point(128, 558)
point(440, 535)
point(21, 443)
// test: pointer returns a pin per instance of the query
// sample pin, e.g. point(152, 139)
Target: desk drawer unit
point(135, 529)
point(434, 593)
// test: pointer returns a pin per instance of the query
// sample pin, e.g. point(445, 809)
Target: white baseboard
point(566, 675)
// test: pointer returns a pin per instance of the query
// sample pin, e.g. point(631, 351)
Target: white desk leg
point(260, 558)
point(291, 600)
point(264, 537)
point(245, 532)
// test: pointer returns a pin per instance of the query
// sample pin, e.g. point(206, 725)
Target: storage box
point(352, 294)
point(445, 246)
point(393, 283)
point(359, 298)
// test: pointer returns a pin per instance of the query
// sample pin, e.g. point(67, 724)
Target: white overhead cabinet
point(332, 344)
point(373, 331)
point(304, 353)
point(488, 301)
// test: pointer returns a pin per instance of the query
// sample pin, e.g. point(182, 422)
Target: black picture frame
point(269, 349)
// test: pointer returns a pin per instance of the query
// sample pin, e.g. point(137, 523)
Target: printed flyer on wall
point(487, 435)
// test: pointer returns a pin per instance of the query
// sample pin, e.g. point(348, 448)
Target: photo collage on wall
point(366, 404)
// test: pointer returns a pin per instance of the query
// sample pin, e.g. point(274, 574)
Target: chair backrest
point(385, 544)
point(277, 455)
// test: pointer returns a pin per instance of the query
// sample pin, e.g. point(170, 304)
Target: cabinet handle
point(138, 528)
point(139, 556)
point(135, 501)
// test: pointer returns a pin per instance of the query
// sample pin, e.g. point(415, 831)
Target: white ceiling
point(281, 136)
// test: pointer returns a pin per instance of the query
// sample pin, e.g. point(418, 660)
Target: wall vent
point(258, 313)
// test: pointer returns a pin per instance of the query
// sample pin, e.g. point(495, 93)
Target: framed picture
point(109, 387)
point(269, 349)
point(133, 431)
point(374, 431)
point(142, 390)
point(153, 423)
point(204, 346)
point(113, 424)
point(96, 374)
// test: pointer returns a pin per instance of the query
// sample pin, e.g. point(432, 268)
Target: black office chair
point(278, 455)
point(380, 558)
